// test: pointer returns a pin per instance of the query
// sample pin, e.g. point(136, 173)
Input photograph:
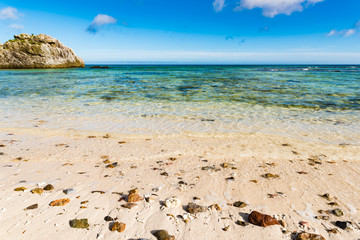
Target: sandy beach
point(279, 176)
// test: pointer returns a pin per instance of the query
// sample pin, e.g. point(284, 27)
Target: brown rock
point(309, 236)
point(118, 226)
point(194, 208)
point(48, 187)
point(262, 220)
point(20, 189)
point(31, 207)
point(60, 202)
point(134, 197)
point(37, 190)
point(163, 235)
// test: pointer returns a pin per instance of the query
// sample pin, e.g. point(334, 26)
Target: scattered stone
point(345, 225)
point(270, 176)
point(241, 223)
point(326, 218)
point(20, 189)
point(194, 208)
point(121, 142)
point(48, 187)
point(172, 202)
point(172, 158)
point(68, 191)
point(240, 204)
point(164, 174)
point(107, 161)
point(129, 205)
point(262, 220)
point(163, 235)
point(226, 228)
point(108, 219)
point(112, 165)
point(277, 194)
point(84, 202)
point(118, 226)
point(37, 190)
point(326, 196)
point(337, 212)
point(227, 165)
point(215, 207)
point(333, 204)
point(282, 223)
point(230, 179)
point(134, 197)
point(254, 181)
point(304, 224)
point(332, 230)
point(135, 190)
point(101, 192)
point(60, 202)
point(31, 207)
point(309, 236)
point(302, 172)
point(79, 223)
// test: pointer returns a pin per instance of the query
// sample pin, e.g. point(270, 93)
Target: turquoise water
point(186, 98)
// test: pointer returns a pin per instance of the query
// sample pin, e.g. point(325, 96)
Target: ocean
point(312, 103)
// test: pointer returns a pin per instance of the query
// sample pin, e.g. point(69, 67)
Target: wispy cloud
point(345, 32)
point(16, 26)
point(9, 13)
point(99, 21)
point(271, 8)
point(218, 5)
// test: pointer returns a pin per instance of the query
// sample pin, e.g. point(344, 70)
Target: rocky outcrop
point(40, 51)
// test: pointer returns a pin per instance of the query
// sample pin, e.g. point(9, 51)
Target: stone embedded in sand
point(270, 176)
point(262, 220)
point(48, 187)
point(215, 207)
point(79, 223)
point(309, 236)
point(134, 197)
point(101, 192)
point(337, 212)
point(239, 204)
point(172, 202)
point(163, 235)
point(37, 190)
point(194, 208)
point(227, 165)
point(241, 223)
point(59, 202)
point(333, 204)
point(129, 205)
point(31, 207)
point(113, 165)
point(326, 196)
point(108, 219)
point(346, 225)
point(20, 189)
point(68, 191)
point(118, 226)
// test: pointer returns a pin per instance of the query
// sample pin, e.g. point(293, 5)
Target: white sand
point(44, 152)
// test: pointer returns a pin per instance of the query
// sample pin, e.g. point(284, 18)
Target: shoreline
point(75, 159)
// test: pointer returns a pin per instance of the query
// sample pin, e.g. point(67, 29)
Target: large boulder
point(40, 51)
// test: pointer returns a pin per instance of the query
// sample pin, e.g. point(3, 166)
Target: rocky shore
point(37, 51)
point(82, 185)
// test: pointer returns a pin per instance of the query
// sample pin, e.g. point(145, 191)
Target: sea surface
point(317, 103)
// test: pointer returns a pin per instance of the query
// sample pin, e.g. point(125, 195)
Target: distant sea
point(320, 103)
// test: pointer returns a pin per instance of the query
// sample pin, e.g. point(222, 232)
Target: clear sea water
point(320, 103)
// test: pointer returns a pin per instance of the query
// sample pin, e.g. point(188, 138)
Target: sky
point(194, 31)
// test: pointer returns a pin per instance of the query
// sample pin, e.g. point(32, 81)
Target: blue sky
point(190, 31)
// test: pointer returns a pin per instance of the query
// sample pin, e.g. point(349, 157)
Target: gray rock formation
point(40, 51)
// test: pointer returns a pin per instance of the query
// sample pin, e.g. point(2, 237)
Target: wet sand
point(188, 167)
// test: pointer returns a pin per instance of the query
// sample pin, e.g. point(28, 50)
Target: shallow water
point(310, 102)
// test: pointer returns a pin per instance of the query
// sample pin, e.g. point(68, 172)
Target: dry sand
point(171, 165)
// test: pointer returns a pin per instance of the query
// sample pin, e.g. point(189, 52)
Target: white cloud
point(99, 21)
point(331, 33)
point(9, 13)
point(218, 5)
point(16, 26)
point(349, 32)
point(271, 8)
